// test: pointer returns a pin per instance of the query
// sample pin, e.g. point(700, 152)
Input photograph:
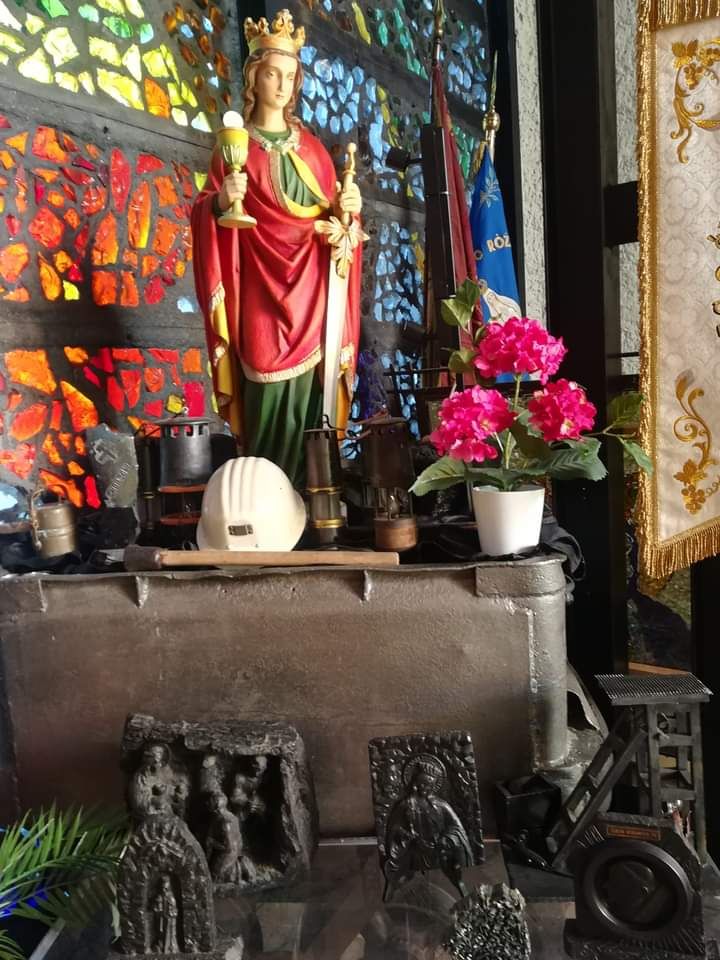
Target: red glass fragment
point(119, 179)
point(91, 493)
point(194, 392)
point(78, 177)
point(64, 488)
point(129, 296)
point(174, 375)
point(165, 191)
point(131, 381)
point(104, 287)
point(91, 376)
point(103, 360)
point(192, 361)
point(69, 191)
point(29, 422)
point(81, 240)
point(170, 261)
point(182, 211)
point(154, 291)
point(146, 163)
point(166, 232)
point(85, 164)
point(21, 188)
point(56, 417)
point(139, 216)
point(154, 379)
point(116, 398)
point(46, 145)
point(4, 123)
point(31, 369)
point(69, 143)
point(105, 246)
point(19, 460)
point(154, 408)
point(75, 273)
point(14, 400)
point(167, 280)
point(164, 356)
point(13, 260)
point(46, 228)
point(129, 355)
point(40, 189)
point(94, 200)
point(81, 409)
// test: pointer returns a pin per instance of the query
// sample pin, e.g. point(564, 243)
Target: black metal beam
point(577, 81)
point(621, 213)
point(705, 619)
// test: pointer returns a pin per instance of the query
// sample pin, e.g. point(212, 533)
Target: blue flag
point(493, 250)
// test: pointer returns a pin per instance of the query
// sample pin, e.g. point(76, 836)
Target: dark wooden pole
point(577, 74)
point(706, 633)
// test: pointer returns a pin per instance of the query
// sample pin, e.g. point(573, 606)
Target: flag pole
point(437, 39)
point(491, 123)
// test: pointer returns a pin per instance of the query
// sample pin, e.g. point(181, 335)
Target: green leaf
point(461, 360)
point(637, 454)
point(504, 479)
point(577, 459)
point(9, 950)
point(529, 444)
point(457, 311)
point(442, 474)
point(624, 410)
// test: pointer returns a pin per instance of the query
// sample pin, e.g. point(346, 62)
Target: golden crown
point(280, 35)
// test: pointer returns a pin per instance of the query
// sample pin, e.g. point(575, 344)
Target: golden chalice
point(232, 141)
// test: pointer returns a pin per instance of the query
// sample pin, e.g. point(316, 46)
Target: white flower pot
point(508, 521)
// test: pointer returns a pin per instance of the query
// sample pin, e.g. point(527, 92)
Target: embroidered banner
point(679, 148)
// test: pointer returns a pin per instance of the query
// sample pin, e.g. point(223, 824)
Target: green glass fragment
point(383, 34)
point(88, 12)
point(146, 32)
point(119, 26)
point(53, 8)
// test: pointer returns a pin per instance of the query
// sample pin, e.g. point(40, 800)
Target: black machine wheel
point(635, 890)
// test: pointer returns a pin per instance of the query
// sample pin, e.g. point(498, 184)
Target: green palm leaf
point(9, 950)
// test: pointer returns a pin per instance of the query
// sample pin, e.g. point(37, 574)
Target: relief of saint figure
point(156, 787)
point(165, 912)
point(264, 290)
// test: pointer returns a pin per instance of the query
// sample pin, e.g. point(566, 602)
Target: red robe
point(263, 290)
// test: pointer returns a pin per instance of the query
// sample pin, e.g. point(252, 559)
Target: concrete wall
point(345, 655)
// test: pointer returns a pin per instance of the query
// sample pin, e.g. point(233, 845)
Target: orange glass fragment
point(116, 398)
point(154, 379)
point(192, 361)
point(31, 369)
point(65, 439)
point(13, 260)
point(130, 257)
point(64, 488)
point(205, 44)
point(105, 247)
point(119, 179)
point(14, 400)
point(80, 447)
point(76, 354)
point(56, 198)
point(18, 142)
point(188, 54)
point(217, 18)
point(222, 65)
point(57, 412)
point(94, 200)
point(139, 216)
point(165, 233)
point(52, 452)
point(72, 218)
point(187, 241)
point(94, 151)
point(49, 176)
point(149, 264)
point(135, 422)
point(29, 422)
point(211, 104)
point(129, 354)
point(21, 188)
point(69, 143)
point(74, 469)
point(158, 102)
point(46, 145)
point(20, 460)
point(129, 296)
point(19, 295)
point(81, 409)
point(104, 287)
point(63, 261)
point(175, 376)
point(165, 191)
point(6, 159)
point(46, 228)
point(131, 380)
point(49, 279)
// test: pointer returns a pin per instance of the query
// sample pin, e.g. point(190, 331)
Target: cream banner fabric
point(679, 93)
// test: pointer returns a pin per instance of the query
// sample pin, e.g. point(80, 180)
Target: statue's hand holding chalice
point(232, 141)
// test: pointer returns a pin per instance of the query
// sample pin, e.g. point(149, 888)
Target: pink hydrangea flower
point(561, 411)
point(467, 419)
point(519, 346)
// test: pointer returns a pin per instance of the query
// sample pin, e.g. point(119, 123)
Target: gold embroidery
point(691, 428)
point(694, 62)
point(277, 376)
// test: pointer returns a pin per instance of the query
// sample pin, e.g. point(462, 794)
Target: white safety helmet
point(250, 504)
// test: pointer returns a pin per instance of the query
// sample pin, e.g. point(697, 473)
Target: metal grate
point(625, 691)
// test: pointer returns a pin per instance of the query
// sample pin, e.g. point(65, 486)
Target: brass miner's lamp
point(232, 141)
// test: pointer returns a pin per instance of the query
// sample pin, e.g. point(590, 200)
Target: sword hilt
point(348, 177)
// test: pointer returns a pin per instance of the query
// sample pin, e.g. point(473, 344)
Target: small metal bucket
point(53, 528)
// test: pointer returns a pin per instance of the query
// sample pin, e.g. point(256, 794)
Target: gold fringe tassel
point(661, 560)
point(656, 14)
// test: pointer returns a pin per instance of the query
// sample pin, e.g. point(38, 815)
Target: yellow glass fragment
point(112, 6)
point(174, 403)
point(133, 7)
point(200, 179)
point(361, 25)
point(10, 42)
point(174, 94)
point(122, 89)
point(36, 67)
point(4, 57)
point(170, 61)
point(88, 84)
point(2, 203)
point(70, 290)
point(104, 50)
point(155, 63)
point(7, 19)
point(34, 24)
point(67, 81)
point(60, 46)
point(187, 94)
point(179, 116)
point(131, 60)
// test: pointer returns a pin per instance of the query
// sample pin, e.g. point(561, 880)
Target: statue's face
point(155, 756)
point(425, 784)
point(275, 80)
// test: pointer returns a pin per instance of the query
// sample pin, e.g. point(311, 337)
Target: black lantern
point(323, 484)
point(389, 473)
